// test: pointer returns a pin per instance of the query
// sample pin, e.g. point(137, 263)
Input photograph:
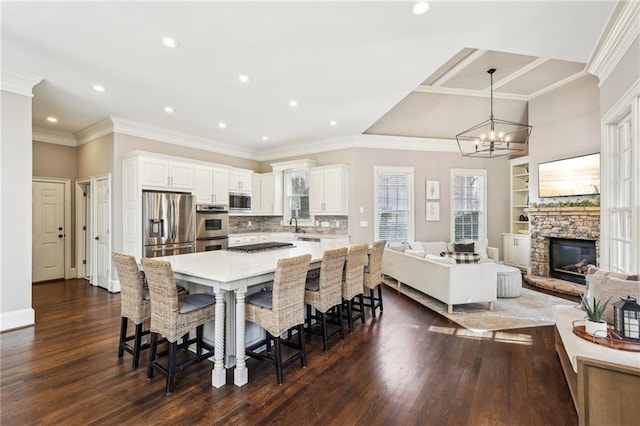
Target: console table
point(604, 382)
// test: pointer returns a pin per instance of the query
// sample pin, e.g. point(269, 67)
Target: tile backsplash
point(244, 224)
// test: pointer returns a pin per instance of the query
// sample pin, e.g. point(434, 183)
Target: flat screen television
point(569, 177)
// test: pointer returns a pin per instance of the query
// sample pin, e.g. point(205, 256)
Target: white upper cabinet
point(328, 190)
point(240, 180)
point(211, 185)
point(165, 174)
point(266, 194)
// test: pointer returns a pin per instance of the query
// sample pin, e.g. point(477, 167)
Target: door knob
point(97, 238)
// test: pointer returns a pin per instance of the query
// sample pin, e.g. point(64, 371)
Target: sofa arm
point(493, 253)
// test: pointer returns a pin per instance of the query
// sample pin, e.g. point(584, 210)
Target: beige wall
point(566, 123)
point(55, 161)
point(95, 158)
point(427, 165)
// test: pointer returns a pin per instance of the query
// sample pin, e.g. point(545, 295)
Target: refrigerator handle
point(173, 220)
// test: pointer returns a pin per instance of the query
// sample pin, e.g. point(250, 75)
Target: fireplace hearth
point(570, 258)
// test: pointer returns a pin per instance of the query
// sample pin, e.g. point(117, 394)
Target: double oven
point(212, 227)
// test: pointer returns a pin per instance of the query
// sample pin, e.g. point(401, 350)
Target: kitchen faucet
point(291, 221)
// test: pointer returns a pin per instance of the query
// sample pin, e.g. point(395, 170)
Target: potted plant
point(594, 324)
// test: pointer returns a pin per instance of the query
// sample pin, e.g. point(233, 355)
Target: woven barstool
point(352, 283)
point(373, 278)
point(134, 305)
point(278, 310)
point(324, 294)
point(173, 317)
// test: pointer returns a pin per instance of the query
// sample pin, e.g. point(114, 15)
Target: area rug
point(531, 309)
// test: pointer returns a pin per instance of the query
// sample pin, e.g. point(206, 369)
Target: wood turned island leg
point(219, 373)
point(449, 309)
point(491, 306)
point(240, 374)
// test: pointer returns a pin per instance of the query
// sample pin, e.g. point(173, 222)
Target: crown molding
point(621, 31)
point(18, 83)
point(485, 93)
point(305, 148)
point(132, 128)
point(39, 134)
point(94, 131)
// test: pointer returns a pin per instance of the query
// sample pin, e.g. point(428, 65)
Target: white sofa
point(442, 278)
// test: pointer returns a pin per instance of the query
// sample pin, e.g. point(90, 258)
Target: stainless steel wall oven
point(212, 227)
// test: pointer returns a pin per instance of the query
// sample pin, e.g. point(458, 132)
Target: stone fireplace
point(579, 229)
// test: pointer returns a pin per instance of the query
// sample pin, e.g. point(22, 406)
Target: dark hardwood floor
point(410, 366)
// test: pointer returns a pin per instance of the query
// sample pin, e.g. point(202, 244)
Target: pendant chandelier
point(494, 137)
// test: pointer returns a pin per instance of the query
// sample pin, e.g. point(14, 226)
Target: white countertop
point(292, 234)
point(228, 266)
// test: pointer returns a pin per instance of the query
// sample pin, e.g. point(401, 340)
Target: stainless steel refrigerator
point(168, 223)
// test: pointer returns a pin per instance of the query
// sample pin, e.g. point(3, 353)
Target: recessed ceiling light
point(52, 119)
point(333, 123)
point(265, 138)
point(222, 125)
point(169, 109)
point(243, 78)
point(420, 7)
point(293, 103)
point(99, 88)
point(169, 42)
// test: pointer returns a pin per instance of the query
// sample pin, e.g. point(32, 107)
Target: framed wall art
point(432, 211)
point(432, 189)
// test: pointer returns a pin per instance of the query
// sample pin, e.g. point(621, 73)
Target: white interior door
point(48, 231)
point(102, 224)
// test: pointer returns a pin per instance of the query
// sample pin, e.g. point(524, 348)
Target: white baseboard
point(114, 286)
point(73, 273)
point(17, 319)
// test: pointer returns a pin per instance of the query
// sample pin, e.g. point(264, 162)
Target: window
point(468, 204)
point(393, 200)
point(297, 195)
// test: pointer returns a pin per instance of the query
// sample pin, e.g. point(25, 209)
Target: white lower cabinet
point(517, 250)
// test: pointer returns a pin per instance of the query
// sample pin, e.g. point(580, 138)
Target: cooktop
point(253, 248)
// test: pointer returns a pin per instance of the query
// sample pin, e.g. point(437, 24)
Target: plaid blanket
point(462, 257)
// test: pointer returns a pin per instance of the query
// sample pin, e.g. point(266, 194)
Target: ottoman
point(509, 281)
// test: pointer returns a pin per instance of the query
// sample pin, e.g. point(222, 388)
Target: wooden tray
point(611, 341)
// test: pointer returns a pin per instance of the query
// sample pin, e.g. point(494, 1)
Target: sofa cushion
point(463, 248)
point(602, 287)
point(479, 247)
point(445, 260)
point(434, 247)
point(417, 253)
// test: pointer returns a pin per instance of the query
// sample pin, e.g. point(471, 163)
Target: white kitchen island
point(229, 275)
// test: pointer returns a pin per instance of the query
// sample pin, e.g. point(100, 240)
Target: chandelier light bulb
point(483, 136)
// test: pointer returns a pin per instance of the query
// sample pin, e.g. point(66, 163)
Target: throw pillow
point(397, 247)
point(445, 260)
point(416, 253)
point(605, 287)
point(414, 245)
point(620, 275)
point(434, 247)
point(463, 248)
point(480, 247)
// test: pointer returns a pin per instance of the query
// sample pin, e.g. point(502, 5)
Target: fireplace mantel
point(581, 223)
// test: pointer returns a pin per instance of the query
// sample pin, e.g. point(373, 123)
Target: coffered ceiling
point(354, 63)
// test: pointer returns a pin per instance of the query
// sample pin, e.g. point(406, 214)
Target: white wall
point(15, 211)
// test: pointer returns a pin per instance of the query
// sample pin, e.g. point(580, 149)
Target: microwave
point(239, 202)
